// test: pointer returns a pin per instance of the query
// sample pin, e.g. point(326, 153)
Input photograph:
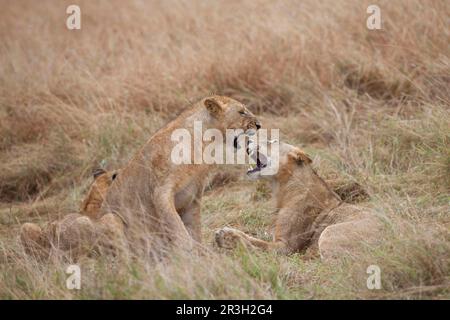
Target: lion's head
point(230, 114)
point(274, 159)
point(97, 192)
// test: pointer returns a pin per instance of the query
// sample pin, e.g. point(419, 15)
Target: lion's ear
point(300, 157)
point(98, 172)
point(213, 106)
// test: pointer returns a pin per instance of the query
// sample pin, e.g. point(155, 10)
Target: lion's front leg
point(172, 226)
point(229, 238)
point(191, 217)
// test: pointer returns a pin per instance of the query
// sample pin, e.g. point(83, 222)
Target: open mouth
point(235, 142)
point(245, 135)
point(261, 162)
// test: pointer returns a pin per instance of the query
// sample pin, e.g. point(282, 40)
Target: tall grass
point(371, 107)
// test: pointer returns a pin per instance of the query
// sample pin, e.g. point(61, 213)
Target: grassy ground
point(371, 107)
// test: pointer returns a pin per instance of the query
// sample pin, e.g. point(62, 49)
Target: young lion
point(94, 199)
point(159, 200)
point(309, 213)
point(77, 230)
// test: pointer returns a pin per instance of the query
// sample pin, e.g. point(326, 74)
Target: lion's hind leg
point(33, 238)
point(72, 232)
point(347, 238)
point(112, 234)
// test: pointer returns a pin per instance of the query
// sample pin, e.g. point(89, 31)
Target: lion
point(309, 214)
point(94, 199)
point(159, 200)
point(77, 230)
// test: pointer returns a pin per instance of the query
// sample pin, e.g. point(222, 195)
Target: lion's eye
point(242, 112)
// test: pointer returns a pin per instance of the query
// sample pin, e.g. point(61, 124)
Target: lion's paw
point(227, 238)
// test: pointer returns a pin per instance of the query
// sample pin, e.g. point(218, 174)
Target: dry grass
point(372, 107)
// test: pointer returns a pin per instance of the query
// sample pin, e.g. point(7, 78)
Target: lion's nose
point(258, 125)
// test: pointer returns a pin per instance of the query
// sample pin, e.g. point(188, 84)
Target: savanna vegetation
point(371, 107)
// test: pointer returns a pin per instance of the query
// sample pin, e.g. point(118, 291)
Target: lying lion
point(309, 214)
point(78, 231)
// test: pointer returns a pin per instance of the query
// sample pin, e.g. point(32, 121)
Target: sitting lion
point(158, 199)
point(153, 199)
point(78, 231)
point(309, 215)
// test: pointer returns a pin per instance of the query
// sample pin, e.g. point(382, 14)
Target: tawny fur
point(97, 192)
point(78, 231)
point(309, 215)
point(151, 195)
point(159, 200)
